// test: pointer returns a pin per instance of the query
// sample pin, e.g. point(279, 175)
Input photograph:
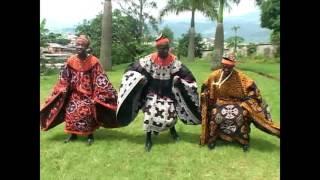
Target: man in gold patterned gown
point(230, 102)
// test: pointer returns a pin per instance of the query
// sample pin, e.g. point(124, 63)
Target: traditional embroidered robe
point(163, 89)
point(83, 98)
point(228, 111)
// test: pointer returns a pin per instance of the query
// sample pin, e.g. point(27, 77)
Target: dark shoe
point(90, 139)
point(71, 137)
point(148, 146)
point(174, 134)
point(245, 147)
point(211, 146)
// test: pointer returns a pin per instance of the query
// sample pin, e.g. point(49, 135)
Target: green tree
point(43, 43)
point(43, 34)
point(235, 29)
point(92, 28)
point(234, 41)
point(184, 42)
point(62, 41)
point(219, 35)
point(178, 6)
point(140, 10)
point(167, 32)
point(270, 18)
point(252, 49)
point(57, 38)
point(126, 37)
point(125, 45)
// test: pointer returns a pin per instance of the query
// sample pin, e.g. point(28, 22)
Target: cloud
point(69, 12)
point(66, 13)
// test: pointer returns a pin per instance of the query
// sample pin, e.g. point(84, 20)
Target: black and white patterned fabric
point(129, 97)
point(168, 92)
point(229, 118)
point(159, 113)
point(188, 91)
point(157, 71)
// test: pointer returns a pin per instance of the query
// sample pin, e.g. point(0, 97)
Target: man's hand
point(176, 81)
point(143, 81)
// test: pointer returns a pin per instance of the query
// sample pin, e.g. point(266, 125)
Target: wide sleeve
point(207, 103)
point(258, 110)
point(51, 113)
point(103, 91)
point(132, 85)
point(186, 95)
point(104, 97)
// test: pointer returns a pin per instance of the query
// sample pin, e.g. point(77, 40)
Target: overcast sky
point(67, 13)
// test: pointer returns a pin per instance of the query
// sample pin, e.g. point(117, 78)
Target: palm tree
point(43, 43)
point(106, 36)
point(219, 36)
point(43, 33)
point(235, 29)
point(178, 6)
point(234, 41)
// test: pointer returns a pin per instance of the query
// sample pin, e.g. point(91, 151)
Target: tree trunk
point(218, 46)
point(235, 44)
point(219, 39)
point(141, 22)
point(192, 32)
point(106, 36)
point(42, 62)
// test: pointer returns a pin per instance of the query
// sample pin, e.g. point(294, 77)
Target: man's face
point(81, 47)
point(227, 68)
point(163, 50)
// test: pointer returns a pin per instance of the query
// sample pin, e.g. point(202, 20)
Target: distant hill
point(249, 24)
point(64, 30)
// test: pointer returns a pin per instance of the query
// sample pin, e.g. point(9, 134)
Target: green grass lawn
point(272, 69)
point(119, 153)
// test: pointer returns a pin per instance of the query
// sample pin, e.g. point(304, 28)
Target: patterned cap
point(161, 40)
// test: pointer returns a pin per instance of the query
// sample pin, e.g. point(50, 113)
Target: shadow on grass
point(110, 135)
point(258, 144)
point(263, 145)
point(119, 135)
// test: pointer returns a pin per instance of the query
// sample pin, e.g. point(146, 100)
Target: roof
point(264, 44)
point(56, 45)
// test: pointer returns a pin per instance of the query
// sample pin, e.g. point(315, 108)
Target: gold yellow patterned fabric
point(239, 90)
